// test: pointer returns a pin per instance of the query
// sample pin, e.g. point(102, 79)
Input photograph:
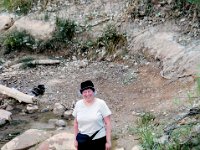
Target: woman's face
point(88, 94)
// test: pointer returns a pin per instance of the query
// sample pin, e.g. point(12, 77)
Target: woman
point(92, 115)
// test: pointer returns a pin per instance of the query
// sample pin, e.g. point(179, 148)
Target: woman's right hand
point(76, 144)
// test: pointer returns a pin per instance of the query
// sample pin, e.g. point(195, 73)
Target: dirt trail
point(148, 93)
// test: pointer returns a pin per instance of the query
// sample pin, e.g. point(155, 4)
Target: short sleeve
point(74, 113)
point(105, 111)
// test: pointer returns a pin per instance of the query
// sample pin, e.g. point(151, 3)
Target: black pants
point(97, 144)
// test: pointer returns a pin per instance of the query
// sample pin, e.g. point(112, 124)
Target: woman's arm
point(108, 132)
point(75, 132)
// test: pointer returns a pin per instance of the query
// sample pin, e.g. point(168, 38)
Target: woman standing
point(92, 115)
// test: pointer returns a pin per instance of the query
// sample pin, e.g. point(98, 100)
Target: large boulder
point(59, 109)
point(4, 116)
point(37, 28)
point(6, 22)
point(60, 141)
point(26, 140)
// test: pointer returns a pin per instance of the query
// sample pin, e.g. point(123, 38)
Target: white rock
point(37, 28)
point(5, 22)
point(2, 121)
point(24, 141)
point(60, 123)
point(60, 141)
point(32, 108)
point(137, 147)
point(119, 149)
point(5, 114)
point(68, 114)
point(59, 109)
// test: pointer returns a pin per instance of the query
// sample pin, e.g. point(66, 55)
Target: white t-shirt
point(90, 118)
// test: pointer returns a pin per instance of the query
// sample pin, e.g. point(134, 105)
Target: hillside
point(141, 55)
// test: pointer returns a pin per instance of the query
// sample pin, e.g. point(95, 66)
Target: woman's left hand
point(108, 146)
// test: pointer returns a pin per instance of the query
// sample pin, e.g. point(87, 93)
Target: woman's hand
point(76, 144)
point(108, 145)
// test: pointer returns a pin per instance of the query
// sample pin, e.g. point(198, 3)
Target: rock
point(5, 114)
point(43, 126)
point(60, 123)
point(26, 140)
point(59, 109)
point(45, 110)
point(163, 139)
point(37, 28)
point(68, 114)
point(137, 147)
point(5, 22)
point(2, 121)
point(53, 121)
point(31, 108)
point(9, 108)
point(119, 149)
point(196, 129)
point(60, 141)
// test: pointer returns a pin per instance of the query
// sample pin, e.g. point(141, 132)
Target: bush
point(18, 6)
point(195, 2)
point(65, 30)
point(17, 41)
point(111, 39)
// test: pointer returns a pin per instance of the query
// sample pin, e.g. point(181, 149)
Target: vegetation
point(195, 2)
point(178, 8)
point(21, 40)
point(18, 6)
point(65, 30)
point(111, 39)
point(62, 37)
point(17, 41)
point(177, 136)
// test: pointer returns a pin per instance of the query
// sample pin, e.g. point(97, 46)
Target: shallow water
point(23, 122)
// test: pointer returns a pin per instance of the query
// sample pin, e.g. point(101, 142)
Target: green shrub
point(146, 118)
point(195, 2)
point(18, 6)
point(180, 138)
point(65, 30)
point(17, 41)
point(111, 39)
point(63, 35)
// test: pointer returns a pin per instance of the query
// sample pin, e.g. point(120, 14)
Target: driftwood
point(21, 97)
point(38, 62)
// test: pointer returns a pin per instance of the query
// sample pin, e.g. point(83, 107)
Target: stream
point(21, 122)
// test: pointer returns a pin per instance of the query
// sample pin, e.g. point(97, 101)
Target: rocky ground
point(129, 90)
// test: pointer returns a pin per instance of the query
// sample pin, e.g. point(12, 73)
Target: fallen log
point(38, 62)
point(21, 97)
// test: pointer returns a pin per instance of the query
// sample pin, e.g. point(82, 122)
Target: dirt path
point(128, 90)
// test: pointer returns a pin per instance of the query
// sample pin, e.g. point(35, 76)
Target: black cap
point(87, 85)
